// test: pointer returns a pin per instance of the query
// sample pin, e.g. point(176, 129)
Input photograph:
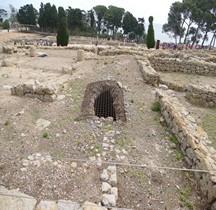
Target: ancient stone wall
point(183, 65)
point(193, 142)
point(202, 95)
point(35, 90)
point(149, 75)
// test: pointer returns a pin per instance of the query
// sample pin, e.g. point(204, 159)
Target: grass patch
point(105, 62)
point(209, 125)
point(45, 134)
point(156, 107)
point(173, 139)
point(184, 200)
point(140, 177)
point(179, 155)
point(7, 122)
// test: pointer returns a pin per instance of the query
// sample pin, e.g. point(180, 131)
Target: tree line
point(100, 20)
point(191, 21)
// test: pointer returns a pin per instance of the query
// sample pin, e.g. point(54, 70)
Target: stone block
point(80, 55)
point(47, 205)
point(14, 199)
point(67, 205)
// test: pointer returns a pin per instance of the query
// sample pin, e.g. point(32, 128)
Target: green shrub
point(7, 122)
point(156, 107)
point(173, 139)
point(46, 134)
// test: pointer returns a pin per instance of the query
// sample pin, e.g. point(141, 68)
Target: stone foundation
point(35, 90)
point(182, 65)
point(149, 75)
point(193, 142)
point(202, 95)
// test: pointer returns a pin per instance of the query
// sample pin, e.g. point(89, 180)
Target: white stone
point(114, 191)
point(67, 205)
point(92, 206)
point(108, 200)
point(105, 175)
point(42, 123)
point(60, 97)
point(113, 180)
point(25, 163)
point(30, 157)
point(74, 165)
point(105, 187)
point(47, 205)
point(16, 200)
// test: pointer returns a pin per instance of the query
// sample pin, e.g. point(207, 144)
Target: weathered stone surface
point(47, 205)
point(32, 51)
point(49, 98)
point(113, 180)
point(105, 187)
point(105, 175)
point(67, 205)
point(19, 90)
point(42, 123)
point(108, 200)
point(193, 140)
point(16, 200)
point(80, 55)
point(7, 62)
point(92, 206)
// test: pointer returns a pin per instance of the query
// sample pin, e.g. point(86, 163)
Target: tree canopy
point(191, 20)
point(27, 15)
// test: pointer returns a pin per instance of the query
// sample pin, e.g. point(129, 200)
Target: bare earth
point(142, 140)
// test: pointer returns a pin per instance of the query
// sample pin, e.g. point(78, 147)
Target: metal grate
point(103, 105)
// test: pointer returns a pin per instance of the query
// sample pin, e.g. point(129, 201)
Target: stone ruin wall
point(193, 142)
point(44, 93)
point(202, 95)
point(183, 65)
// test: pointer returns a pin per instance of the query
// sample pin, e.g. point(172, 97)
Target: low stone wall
point(149, 75)
point(202, 95)
point(174, 86)
point(44, 93)
point(193, 142)
point(179, 65)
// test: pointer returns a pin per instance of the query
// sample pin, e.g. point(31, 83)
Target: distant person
point(8, 29)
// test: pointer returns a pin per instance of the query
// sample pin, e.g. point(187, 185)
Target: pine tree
point(150, 39)
point(62, 33)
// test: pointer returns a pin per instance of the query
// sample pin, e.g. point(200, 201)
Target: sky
point(139, 8)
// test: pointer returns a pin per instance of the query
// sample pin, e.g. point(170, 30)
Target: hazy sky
point(139, 8)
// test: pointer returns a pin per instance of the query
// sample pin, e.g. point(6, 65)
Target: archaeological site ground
point(104, 127)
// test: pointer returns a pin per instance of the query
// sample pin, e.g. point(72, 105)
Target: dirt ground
point(142, 140)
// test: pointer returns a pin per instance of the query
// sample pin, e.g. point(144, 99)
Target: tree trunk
point(212, 40)
point(186, 35)
point(205, 36)
point(195, 36)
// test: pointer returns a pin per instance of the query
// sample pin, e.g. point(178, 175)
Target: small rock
point(30, 157)
point(23, 169)
point(74, 165)
point(42, 123)
point(105, 187)
point(25, 163)
point(105, 175)
point(60, 97)
point(47, 205)
point(113, 180)
point(108, 200)
point(67, 205)
point(114, 191)
point(110, 133)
